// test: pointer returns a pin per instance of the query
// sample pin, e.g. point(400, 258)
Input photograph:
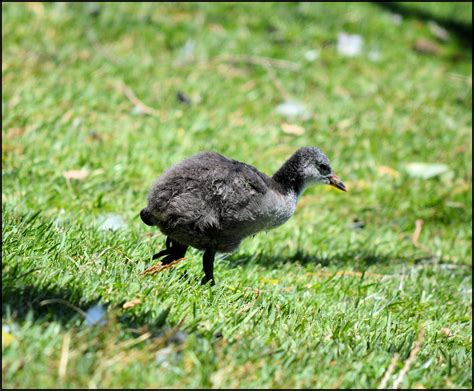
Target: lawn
point(369, 288)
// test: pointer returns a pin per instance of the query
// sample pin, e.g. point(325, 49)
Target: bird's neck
point(290, 177)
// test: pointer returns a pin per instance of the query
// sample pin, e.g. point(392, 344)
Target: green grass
point(314, 303)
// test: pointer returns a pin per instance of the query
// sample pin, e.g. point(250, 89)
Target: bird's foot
point(172, 252)
point(160, 254)
point(206, 280)
point(168, 257)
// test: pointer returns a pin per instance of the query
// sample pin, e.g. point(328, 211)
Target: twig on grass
point(402, 277)
point(92, 38)
point(64, 356)
point(133, 342)
point(268, 64)
point(66, 303)
point(137, 102)
point(411, 359)
point(346, 273)
point(417, 232)
point(160, 267)
point(263, 61)
point(389, 371)
point(276, 81)
point(416, 236)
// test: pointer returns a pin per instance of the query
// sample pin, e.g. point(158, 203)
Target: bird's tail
point(147, 217)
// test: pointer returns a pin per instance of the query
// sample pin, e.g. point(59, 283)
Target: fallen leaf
point(426, 170)
point(447, 332)
point(345, 123)
point(36, 7)
point(217, 29)
point(14, 132)
point(385, 170)
point(292, 129)
point(425, 46)
point(84, 55)
point(76, 174)
point(67, 116)
point(132, 303)
point(249, 85)
point(246, 307)
point(438, 31)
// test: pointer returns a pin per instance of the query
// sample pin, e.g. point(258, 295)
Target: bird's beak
point(336, 182)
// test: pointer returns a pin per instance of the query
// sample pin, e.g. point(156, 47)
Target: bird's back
point(209, 201)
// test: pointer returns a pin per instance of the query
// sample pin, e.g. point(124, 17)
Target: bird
point(211, 202)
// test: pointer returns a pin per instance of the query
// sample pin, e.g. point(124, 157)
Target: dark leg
point(164, 252)
point(208, 266)
point(173, 251)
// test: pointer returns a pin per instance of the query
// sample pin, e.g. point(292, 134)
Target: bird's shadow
point(48, 303)
point(362, 258)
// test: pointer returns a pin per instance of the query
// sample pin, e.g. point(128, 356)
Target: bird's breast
point(275, 209)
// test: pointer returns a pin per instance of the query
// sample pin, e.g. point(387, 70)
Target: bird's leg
point(163, 252)
point(176, 251)
point(208, 266)
point(173, 251)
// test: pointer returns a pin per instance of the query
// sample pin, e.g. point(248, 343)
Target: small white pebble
point(396, 18)
point(374, 56)
point(349, 45)
point(96, 315)
point(311, 55)
point(111, 222)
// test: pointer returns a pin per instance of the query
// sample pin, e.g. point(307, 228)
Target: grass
point(315, 303)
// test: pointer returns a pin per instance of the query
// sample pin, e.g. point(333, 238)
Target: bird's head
point(315, 168)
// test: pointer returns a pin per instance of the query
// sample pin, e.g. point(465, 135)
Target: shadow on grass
point(462, 31)
point(67, 306)
point(358, 257)
point(20, 300)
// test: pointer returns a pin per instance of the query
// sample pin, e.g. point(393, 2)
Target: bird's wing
point(209, 189)
point(234, 185)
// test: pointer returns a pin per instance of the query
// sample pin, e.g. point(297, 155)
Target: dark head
point(308, 165)
point(147, 217)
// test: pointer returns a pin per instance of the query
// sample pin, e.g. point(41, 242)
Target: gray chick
point(211, 202)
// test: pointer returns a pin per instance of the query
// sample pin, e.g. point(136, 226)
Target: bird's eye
point(324, 169)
